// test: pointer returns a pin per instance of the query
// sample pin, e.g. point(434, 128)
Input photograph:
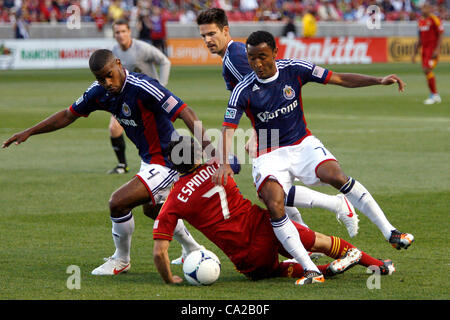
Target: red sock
point(431, 79)
point(339, 248)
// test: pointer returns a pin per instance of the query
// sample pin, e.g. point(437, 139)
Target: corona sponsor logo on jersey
point(266, 116)
point(127, 122)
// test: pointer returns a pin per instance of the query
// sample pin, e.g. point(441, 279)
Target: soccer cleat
point(310, 277)
point(387, 268)
point(400, 240)
point(119, 169)
point(180, 259)
point(111, 267)
point(350, 259)
point(433, 98)
point(184, 254)
point(346, 213)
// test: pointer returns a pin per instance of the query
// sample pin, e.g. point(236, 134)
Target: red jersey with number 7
point(221, 213)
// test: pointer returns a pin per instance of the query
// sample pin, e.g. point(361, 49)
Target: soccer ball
point(201, 267)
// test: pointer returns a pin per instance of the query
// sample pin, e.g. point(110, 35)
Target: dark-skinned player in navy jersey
point(239, 228)
point(271, 98)
point(146, 110)
point(215, 31)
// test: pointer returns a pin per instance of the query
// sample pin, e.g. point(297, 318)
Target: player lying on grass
point(146, 110)
point(239, 228)
point(271, 97)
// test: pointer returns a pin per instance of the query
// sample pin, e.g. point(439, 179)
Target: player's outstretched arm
point(221, 175)
point(354, 80)
point(162, 262)
point(57, 121)
point(195, 126)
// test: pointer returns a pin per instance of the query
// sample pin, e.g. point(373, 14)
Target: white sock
point(288, 236)
point(122, 229)
point(303, 197)
point(361, 199)
point(182, 235)
point(294, 215)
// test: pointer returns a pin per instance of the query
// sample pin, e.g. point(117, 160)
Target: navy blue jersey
point(144, 108)
point(235, 64)
point(274, 105)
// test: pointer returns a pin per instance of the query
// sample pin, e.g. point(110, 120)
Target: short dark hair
point(213, 15)
point(99, 59)
point(184, 153)
point(121, 22)
point(258, 37)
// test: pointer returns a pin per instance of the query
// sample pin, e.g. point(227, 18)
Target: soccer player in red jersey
point(431, 32)
point(239, 228)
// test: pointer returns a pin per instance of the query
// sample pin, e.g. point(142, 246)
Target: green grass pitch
point(55, 190)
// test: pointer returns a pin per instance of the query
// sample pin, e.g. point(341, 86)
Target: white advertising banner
point(49, 53)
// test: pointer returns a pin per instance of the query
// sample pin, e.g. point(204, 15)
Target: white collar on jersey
point(228, 45)
point(125, 81)
point(272, 78)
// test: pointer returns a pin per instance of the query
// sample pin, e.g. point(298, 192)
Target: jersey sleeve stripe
point(160, 235)
point(328, 77)
point(238, 89)
point(147, 86)
point(76, 113)
point(175, 115)
point(228, 124)
point(233, 69)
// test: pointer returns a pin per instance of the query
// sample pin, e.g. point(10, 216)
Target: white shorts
point(158, 180)
point(288, 163)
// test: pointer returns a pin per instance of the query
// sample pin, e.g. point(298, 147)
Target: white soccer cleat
point(350, 259)
point(347, 214)
point(184, 254)
point(433, 98)
point(180, 259)
point(111, 267)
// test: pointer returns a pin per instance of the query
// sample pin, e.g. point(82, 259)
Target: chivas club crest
point(288, 92)
point(126, 110)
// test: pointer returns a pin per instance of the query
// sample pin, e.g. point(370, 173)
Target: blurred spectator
point(290, 30)
point(309, 24)
point(144, 26)
point(328, 11)
point(248, 5)
point(20, 26)
point(115, 11)
point(158, 29)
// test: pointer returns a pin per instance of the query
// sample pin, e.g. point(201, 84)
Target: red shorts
point(262, 259)
point(427, 60)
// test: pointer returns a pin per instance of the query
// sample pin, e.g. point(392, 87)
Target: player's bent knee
point(117, 208)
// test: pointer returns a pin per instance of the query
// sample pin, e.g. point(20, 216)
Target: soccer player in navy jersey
point(239, 228)
point(214, 29)
point(271, 98)
point(146, 110)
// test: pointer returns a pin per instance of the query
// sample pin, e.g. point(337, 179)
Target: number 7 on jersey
point(223, 199)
